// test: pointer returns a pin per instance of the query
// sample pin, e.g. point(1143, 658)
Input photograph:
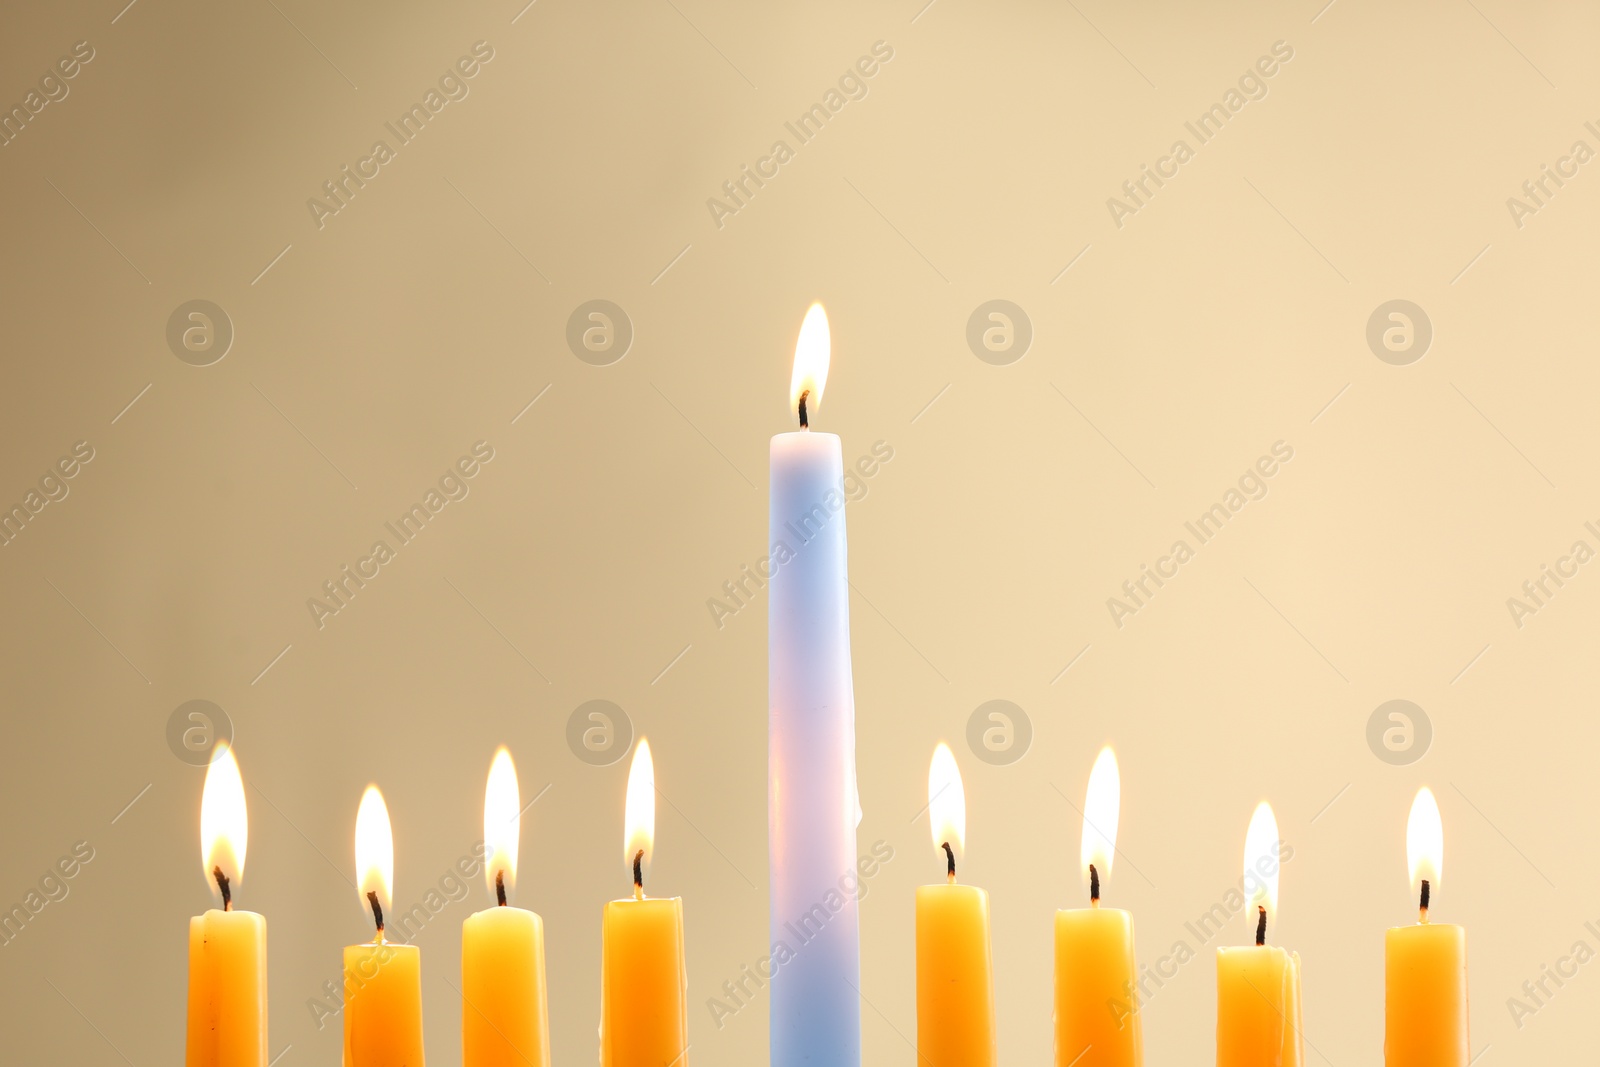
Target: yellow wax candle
point(1097, 998)
point(1425, 996)
point(1258, 987)
point(505, 1018)
point(227, 990)
point(1258, 1007)
point(644, 1020)
point(227, 1022)
point(382, 1005)
point(382, 981)
point(504, 1015)
point(1097, 1004)
point(1425, 966)
point(955, 966)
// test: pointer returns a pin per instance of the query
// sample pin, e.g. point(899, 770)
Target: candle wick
point(222, 884)
point(377, 912)
point(950, 864)
point(500, 887)
point(1094, 886)
point(805, 424)
point(638, 875)
point(1261, 925)
point(1427, 894)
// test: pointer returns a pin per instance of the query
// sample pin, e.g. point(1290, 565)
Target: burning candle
point(644, 1019)
point(227, 1022)
point(505, 1018)
point(1425, 965)
point(955, 968)
point(382, 980)
point(1097, 1001)
point(1258, 987)
point(812, 804)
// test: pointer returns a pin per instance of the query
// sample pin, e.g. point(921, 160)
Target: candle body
point(1097, 998)
point(382, 1005)
point(1425, 996)
point(812, 804)
point(955, 978)
point(1258, 1007)
point(227, 990)
point(644, 1020)
point(505, 1015)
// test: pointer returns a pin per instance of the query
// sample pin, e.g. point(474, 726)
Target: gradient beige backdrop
point(1167, 354)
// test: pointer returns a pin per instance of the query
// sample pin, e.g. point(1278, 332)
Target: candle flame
point(1102, 807)
point(224, 823)
point(374, 850)
point(1425, 840)
point(947, 800)
point(1261, 861)
point(812, 353)
point(639, 813)
point(502, 821)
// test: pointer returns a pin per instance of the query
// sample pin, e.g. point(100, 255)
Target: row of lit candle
point(505, 1018)
point(505, 1010)
point(1097, 997)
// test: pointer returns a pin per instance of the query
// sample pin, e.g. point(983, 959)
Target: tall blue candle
point(812, 803)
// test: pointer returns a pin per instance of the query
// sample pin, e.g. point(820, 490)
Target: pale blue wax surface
point(812, 803)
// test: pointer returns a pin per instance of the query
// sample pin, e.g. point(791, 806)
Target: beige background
point(1228, 314)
